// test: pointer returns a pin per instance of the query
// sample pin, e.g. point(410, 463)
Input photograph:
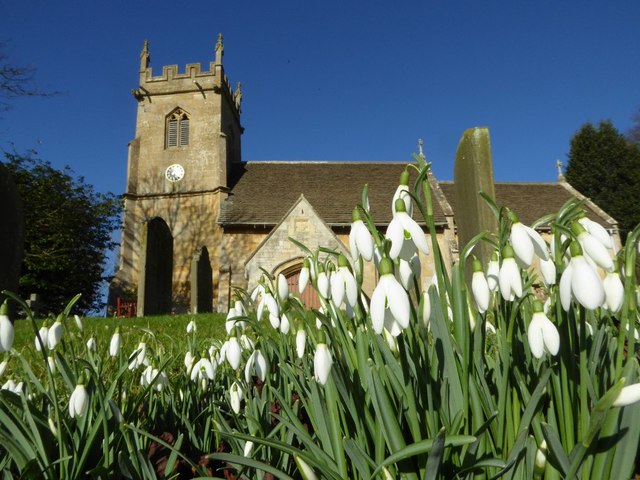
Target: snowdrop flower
point(628, 395)
point(580, 281)
point(115, 343)
point(271, 305)
point(285, 326)
point(3, 367)
point(52, 363)
point(191, 326)
point(509, 277)
point(389, 303)
point(541, 458)
point(360, 241)
point(259, 291)
point(301, 342)
point(232, 317)
point(402, 193)
point(597, 231)
point(283, 288)
point(305, 470)
point(324, 287)
point(91, 344)
point(548, 270)
point(322, 362)
point(233, 353)
point(542, 333)
point(203, 371)
point(235, 397)
point(78, 322)
point(256, 365)
point(152, 376)
point(592, 247)
point(55, 334)
point(425, 309)
point(245, 342)
point(613, 292)
point(6, 329)
point(493, 272)
point(188, 361)
point(248, 447)
point(303, 278)
point(526, 242)
point(52, 425)
point(402, 225)
point(43, 334)
point(343, 284)
point(480, 287)
point(79, 401)
point(12, 386)
point(138, 356)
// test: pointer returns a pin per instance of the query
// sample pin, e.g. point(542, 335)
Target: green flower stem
point(584, 375)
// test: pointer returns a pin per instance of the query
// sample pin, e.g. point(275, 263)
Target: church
point(198, 220)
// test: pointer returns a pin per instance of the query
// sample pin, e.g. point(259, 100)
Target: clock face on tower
point(174, 173)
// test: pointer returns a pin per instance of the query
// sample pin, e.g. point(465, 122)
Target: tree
point(604, 166)
point(16, 81)
point(68, 228)
point(633, 135)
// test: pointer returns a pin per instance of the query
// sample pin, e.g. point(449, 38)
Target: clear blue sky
point(333, 80)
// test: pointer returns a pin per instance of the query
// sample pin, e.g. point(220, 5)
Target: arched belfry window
point(177, 129)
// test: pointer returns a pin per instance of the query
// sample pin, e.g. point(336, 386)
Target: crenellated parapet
point(194, 79)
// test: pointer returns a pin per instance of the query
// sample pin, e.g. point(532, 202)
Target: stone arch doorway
point(201, 282)
point(155, 289)
point(292, 273)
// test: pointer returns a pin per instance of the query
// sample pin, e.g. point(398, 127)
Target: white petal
point(597, 230)
point(536, 340)
point(351, 288)
point(323, 285)
point(539, 245)
point(234, 353)
point(364, 241)
point(377, 307)
point(337, 287)
point(548, 270)
point(565, 288)
point(614, 291)
point(493, 271)
point(522, 244)
point(397, 299)
point(629, 394)
point(480, 289)
point(283, 288)
point(417, 234)
point(301, 342)
point(395, 233)
point(551, 337)
point(586, 285)
point(6, 333)
point(303, 279)
point(598, 252)
point(322, 363)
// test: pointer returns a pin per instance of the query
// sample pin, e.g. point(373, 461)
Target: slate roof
point(262, 192)
point(530, 201)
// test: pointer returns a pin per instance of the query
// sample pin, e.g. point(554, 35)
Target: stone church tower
point(187, 138)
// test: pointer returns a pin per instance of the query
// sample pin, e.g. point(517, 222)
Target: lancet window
point(177, 129)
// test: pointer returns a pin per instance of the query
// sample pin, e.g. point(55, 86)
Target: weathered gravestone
point(11, 232)
point(473, 173)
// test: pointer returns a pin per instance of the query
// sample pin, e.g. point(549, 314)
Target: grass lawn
point(167, 333)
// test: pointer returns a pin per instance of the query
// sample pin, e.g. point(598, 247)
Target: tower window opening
point(177, 130)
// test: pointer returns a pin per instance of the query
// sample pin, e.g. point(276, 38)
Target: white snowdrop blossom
point(259, 291)
point(493, 273)
point(188, 361)
point(153, 377)
point(402, 227)
point(593, 248)
point(233, 353)
point(402, 193)
point(283, 288)
point(389, 302)
point(343, 284)
point(191, 327)
point(628, 395)
point(12, 386)
point(613, 292)
point(52, 363)
point(526, 242)
point(256, 365)
point(285, 325)
point(301, 342)
point(597, 230)
point(360, 241)
point(270, 304)
point(480, 287)
point(6, 330)
point(138, 356)
point(203, 371)
point(79, 323)
point(232, 317)
point(303, 278)
point(581, 282)
point(91, 344)
point(235, 397)
point(55, 334)
point(248, 448)
point(323, 282)
point(425, 309)
point(3, 367)
point(79, 401)
point(548, 270)
point(542, 333)
point(322, 363)
point(509, 277)
point(115, 343)
point(43, 333)
point(305, 470)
